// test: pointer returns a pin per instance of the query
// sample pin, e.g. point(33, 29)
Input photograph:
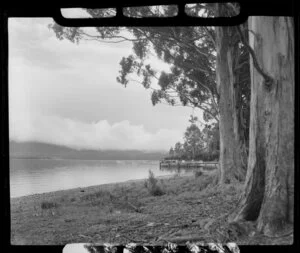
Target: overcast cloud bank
point(95, 135)
point(67, 94)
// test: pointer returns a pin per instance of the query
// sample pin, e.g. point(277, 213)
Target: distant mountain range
point(50, 151)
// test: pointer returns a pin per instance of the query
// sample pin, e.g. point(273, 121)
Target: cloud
point(93, 135)
point(32, 40)
point(64, 93)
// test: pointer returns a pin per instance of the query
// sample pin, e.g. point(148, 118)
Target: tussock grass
point(48, 205)
point(153, 186)
point(73, 199)
point(209, 181)
point(97, 198)
point(205, 182)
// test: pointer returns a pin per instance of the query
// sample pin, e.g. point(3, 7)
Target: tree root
point(133, 240)
point(214, 221)
point(85, 236)
point(184, 239)
point(282, 235)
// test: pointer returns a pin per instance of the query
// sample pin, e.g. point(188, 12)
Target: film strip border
point(167, 248)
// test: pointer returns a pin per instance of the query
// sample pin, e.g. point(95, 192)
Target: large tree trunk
point(231, 168)
point(269, 188)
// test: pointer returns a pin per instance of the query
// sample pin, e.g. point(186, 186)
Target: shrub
point(48, 205)
point(152, 185)
point(146, 183)
point(198, 173)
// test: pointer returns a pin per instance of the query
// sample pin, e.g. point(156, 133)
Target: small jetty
point(188, 164)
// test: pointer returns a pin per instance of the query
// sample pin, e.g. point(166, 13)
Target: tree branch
point(97, 37)
point(268, 80)
point(210, 36)
point(196, 104)
point(187, 65)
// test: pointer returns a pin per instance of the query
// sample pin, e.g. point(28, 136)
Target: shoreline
point(92, 187)
point(128, 211)
point(110, 212)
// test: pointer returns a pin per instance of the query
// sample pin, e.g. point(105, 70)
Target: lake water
point(30, 176)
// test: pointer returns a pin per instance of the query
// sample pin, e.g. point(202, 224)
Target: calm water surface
point(30, 176)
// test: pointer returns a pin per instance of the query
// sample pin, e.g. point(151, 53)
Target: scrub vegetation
point(130, 212)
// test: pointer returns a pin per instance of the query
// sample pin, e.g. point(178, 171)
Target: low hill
point(44, 150)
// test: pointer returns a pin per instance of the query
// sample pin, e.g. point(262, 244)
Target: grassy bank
point(186, 208)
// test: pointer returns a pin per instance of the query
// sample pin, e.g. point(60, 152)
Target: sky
point(67, 94)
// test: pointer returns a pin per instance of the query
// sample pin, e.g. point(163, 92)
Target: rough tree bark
point(230, 161)
point(268, 196)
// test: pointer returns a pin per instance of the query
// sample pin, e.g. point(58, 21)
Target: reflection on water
point(30, 176)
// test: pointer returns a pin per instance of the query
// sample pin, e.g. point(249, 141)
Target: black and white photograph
point(151, 135)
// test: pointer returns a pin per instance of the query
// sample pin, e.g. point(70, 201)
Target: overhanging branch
point(268, 79)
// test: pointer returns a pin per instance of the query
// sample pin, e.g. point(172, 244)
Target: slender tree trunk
point(236, 94)
point(230, 155)
point(238, 129)
point(268, 197)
